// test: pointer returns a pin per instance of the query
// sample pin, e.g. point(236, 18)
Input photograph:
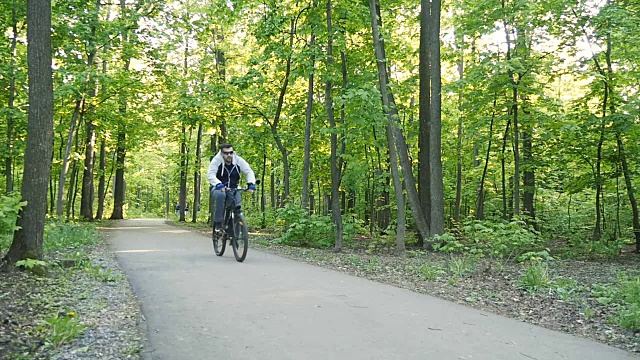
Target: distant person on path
point(224, 173)
point(177, 208)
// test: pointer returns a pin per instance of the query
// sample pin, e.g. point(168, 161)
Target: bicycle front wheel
point(219, 242)
point(240, 238)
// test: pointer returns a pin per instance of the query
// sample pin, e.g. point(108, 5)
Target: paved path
point(199, 306)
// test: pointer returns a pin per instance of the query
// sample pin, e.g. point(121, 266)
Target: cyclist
point(224, 173)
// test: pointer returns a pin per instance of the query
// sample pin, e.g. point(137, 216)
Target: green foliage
point(462, 266)
point(629, 316)
point(535, 277)
point(97, 271)
point(10, 206)
point(430, 272)
point(496, 238)
point(301, 229)
point(30, 263)
point(298, 228)
point(5, 242)
point(62, 329)
point(61, 236)
point(534, 256)
point(564, 288)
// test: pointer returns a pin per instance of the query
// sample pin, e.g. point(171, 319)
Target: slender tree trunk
point(86, 202)
point(480, 201)
point(630, 192)
point(196, 175)
point(505, 214)
point(529, 178)
point(73, 183)
point(424, 104)
point(276, 120)
point(8, 161)
point(101, 181)
point(336, 214)
point(182, 200)
point(306, 169)
point(65, 159)
point(436, 226)
point(514, 115)
point(458, 204)
point(28, 239)
point(389, 105)
point(119, 184)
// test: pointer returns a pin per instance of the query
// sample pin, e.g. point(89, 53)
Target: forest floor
point(81, 308)
point(579, 297)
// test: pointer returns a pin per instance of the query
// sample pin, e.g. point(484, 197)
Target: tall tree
point(436, 218)
point(306, 168)
point(86, 203)
point(28, 239)
point(121, 145)
point(8, 161)
point(336, 214)
point(389, 107)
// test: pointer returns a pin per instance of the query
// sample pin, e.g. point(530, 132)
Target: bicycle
point(234, 228)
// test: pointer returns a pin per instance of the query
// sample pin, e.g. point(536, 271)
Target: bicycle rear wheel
point(219, 242)
point(240, 242)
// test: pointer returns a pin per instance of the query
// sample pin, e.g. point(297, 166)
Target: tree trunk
point(86, 202)
point(119, 186)
point(458, 204)
point(389, 107)
point(306, 168)
point(505, 214)
point(424, 104)
point(28, 239)
point(71, 195)
point(101, 182)
point(8, 161)
point(182, 199)
point(119, 192)
point(480, 201)
point(65, 159)
point(336, 214)
point(276, 119)
point(196, 175)
point(630, 192)
point(436, 226)
point(529, 179)
point(392, 115)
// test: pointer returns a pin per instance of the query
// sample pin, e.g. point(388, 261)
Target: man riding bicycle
point(224, 173)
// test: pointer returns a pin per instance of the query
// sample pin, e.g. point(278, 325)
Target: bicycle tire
point(240, 241)
point(219, 243)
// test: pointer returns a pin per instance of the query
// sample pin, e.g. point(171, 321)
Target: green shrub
point(502, 239)
point(298, 228)
point(430, 272)
point(462, 266)
point(10, 206)
point(535, 277)
point(301, 229)
point(62, 329)
point(59, 236)
point(5, 242)
point(496, 238)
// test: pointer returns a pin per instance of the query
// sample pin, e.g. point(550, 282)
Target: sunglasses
point(228, 152)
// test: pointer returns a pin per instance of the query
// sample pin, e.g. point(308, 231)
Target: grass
point(535, 277)
point(62, 329)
